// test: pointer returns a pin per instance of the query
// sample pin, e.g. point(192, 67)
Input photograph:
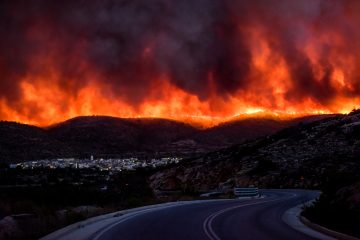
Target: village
point(97, 163)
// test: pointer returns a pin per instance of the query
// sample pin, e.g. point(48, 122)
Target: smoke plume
point(176, 59)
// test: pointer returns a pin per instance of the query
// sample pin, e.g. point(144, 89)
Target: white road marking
point(129, 216)
point(207, 225)
point(125, 218)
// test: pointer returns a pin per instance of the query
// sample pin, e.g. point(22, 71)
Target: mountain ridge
point(111, 136)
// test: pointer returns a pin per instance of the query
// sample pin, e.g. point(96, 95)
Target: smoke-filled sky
point(177, 59)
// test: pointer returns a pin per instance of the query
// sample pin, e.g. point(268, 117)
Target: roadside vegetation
point(36, 202)
point(338, 207)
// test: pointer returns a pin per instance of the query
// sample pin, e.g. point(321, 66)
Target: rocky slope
point(299, 156)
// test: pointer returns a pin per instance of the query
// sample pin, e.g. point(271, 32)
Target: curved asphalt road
point(257, 219)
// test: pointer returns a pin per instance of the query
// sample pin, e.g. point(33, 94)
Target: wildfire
point(46, 104)
point(203, 72)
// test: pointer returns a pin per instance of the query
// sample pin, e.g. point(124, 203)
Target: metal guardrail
point(246, 192)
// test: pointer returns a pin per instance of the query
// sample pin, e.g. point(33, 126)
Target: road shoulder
point(292, 218)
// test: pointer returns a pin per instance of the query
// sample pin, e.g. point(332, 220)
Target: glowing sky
point(208, 60)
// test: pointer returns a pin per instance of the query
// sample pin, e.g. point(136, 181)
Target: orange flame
point(44, 100)
point(52, 104)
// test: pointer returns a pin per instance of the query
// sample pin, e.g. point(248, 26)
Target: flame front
point(205, 62)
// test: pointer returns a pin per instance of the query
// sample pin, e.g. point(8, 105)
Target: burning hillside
point(182, 60)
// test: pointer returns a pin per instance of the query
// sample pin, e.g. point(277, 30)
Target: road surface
point(257, 219)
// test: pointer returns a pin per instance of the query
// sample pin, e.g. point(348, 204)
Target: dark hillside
point(20, 142)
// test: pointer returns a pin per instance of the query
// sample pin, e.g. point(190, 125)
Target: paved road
point(257, 219)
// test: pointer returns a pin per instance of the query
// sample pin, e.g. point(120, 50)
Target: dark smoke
point(187, 41)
